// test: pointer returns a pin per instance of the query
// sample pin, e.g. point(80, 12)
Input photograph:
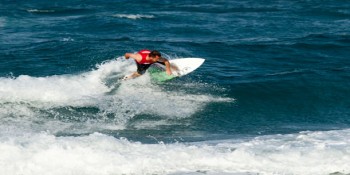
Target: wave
point(40, 11)
point(67, 39)
point(59, 11)
point(98, 97)
point(305, 153)
point(290, 72)
point(133, 16)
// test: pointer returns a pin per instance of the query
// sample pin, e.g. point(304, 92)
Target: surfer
point(144, 59)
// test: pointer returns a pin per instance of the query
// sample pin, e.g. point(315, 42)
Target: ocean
point(272, 97)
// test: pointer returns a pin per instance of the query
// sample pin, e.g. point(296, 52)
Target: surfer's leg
point(141, 69)
point(134, 75)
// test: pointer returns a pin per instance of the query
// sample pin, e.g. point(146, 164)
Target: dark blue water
point(276, 73)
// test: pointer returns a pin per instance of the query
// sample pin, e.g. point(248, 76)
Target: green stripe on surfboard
point(159, 75)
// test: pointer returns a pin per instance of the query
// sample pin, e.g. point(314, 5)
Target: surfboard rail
point(180, 67)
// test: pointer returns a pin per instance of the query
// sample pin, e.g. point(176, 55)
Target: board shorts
point(141, 68)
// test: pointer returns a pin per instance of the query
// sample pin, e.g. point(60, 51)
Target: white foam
point(306, 153)
point(72, 90)
point(133, 16)
point(35, 99)
point(149, 98)
point(54, 89)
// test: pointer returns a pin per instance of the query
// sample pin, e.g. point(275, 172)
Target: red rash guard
point(144, 54)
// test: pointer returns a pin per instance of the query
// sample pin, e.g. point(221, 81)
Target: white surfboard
point(185, 65)
point(179, 67)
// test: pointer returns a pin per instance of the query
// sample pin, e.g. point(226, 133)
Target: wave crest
point(133, 16)
point(97, 95)
point(305, 153)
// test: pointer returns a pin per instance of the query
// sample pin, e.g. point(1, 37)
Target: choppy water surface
point(271, 97)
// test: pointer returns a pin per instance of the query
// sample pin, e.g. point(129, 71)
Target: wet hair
point(154, 53)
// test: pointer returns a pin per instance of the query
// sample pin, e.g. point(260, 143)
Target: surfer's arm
point(128, 55)
point(132, 55)
point(167, 65)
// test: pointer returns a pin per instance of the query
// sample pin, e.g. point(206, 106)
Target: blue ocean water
point(271, 98)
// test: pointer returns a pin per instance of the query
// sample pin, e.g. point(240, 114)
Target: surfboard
point(179, 67)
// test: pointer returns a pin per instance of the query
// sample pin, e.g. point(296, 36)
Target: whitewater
point(45, 130)
point(303, 153)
